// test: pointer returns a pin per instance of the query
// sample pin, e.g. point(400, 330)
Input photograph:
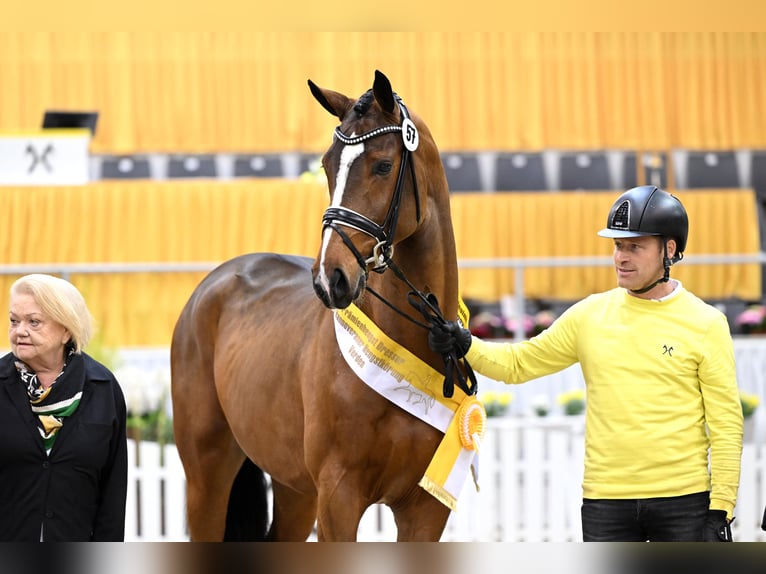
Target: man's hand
point(717, 527)
point(449, 338)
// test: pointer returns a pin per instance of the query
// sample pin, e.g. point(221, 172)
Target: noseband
point(335, 217)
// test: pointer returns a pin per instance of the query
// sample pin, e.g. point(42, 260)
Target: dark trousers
point(670, 519)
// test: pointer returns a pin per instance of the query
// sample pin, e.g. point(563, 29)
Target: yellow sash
point(408, 382)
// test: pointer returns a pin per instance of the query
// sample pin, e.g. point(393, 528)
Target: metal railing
point(518, 264)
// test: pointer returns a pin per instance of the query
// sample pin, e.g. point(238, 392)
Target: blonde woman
point(63, 449)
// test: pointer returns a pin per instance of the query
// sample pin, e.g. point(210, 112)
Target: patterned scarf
point(58, 401)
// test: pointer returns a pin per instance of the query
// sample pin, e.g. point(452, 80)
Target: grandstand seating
point(464, 171)
point(192, 166)
point(758, 172)
point(309, 162)
point(259, 165)
point(712, 169)
point(583, 170)
point(483, 171)
point(655, 169)
point(125, 167)
point(517, 171)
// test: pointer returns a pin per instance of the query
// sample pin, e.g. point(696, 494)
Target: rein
point(428, 306)
point(382, 252)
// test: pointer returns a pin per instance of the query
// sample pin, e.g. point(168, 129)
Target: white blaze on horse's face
point(347, 157)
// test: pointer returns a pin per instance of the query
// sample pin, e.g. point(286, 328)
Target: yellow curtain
point(564, 224)
point(234, 91)
point(153, 222)
point(208, 222)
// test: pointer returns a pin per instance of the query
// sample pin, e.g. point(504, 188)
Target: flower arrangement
point(573, 402)
point(496, 403)
point(749, 403)
point(752, 319)
point(146, 395)
point(541, 405)
point(486, 325)
point(542, 320)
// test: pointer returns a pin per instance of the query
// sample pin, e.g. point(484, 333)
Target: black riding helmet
point(648, 210)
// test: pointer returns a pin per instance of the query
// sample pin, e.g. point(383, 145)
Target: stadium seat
point(463, 171)
point(655, 170)
point(309, 162)
point(190, 166)
point(584, 170)
point(758, 172)
point(717, 169)
point(125, 167)
point(519, 172)
point(258, 165)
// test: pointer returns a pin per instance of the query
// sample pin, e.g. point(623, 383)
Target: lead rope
point(457, 370)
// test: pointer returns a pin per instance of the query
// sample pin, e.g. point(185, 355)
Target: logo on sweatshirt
point(667, 350)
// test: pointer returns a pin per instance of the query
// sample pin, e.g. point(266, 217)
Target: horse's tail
point(247, 516)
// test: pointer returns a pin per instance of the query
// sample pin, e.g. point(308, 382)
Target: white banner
point(45, 157)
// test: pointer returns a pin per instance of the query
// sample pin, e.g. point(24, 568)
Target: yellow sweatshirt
point(657, 374)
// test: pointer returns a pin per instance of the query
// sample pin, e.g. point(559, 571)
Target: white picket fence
point(530, 473)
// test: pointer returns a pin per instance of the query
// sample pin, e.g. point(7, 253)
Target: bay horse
point(258, 381)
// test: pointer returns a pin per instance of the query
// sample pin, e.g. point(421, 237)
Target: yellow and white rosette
point(462, 440)
point(472, 421)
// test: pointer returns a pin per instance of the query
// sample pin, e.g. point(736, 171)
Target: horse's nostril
point(339, 290)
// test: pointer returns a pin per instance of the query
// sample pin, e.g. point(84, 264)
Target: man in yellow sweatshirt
point(661, 385)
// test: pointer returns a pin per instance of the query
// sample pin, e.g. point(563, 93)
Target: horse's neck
point(428, 260)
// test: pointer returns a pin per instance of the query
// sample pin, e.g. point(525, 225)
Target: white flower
point(541, 404)
point(144, 392)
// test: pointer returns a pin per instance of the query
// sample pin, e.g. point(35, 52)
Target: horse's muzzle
point(338, 293)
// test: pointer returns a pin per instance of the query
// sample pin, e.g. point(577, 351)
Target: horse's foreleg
point(294, 514)
point(340, 508)
point(421, 519)
point(339, 524)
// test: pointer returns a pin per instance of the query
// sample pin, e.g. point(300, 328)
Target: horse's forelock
point(363, 104)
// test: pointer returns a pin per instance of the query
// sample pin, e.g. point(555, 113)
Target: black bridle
point(382, 252)
point(335, 217)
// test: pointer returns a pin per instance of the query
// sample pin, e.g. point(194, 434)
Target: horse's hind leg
point(211, 457)
point(294, 514)
point(209, 478)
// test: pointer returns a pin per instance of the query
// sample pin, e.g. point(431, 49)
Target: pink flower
point(544, 319)
point(486, 325)
point(528, 324)
point(752, 316)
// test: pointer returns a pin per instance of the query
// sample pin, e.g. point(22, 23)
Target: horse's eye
point(383, 168)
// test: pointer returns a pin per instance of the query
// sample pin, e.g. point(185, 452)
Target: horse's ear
point(381, 88)
point(335, 103)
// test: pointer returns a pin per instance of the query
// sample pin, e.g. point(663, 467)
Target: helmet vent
point(621, 216)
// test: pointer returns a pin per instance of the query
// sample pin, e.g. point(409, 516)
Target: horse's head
point(376, 198)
